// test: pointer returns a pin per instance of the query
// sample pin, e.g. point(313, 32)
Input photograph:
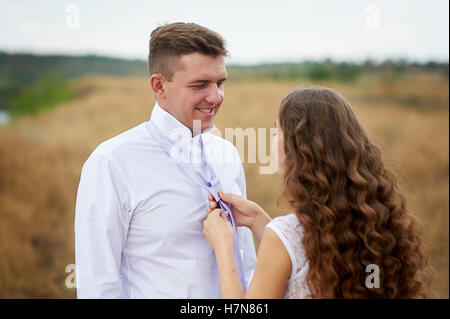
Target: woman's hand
point(220, 235)
point(245, 212)
point(218, 230)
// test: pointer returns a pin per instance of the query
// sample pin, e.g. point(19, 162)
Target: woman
point(348, 214)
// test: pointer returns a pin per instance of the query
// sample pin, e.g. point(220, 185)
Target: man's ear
point(157, 82)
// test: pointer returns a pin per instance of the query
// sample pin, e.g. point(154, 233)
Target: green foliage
point(346, 72)
point(47, 92)
point(20, 71)
point(28, 84)
point(319, 72)
point(328, 70)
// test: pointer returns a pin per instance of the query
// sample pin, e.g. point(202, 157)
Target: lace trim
point(290, 233)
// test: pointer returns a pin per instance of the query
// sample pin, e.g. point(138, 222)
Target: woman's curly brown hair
point(347, 201)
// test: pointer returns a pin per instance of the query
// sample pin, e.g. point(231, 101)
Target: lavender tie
point(211, 184)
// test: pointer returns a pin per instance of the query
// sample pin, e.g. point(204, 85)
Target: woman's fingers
point(216, 211)
point(226, 197)
point(212, 203)
point(233, 199)
point(224, 215)
point(220, 213)
point(213, 206)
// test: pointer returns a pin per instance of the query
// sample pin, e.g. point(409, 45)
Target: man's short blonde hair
point(170, 41)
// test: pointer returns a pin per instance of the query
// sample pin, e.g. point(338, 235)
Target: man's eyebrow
point(205, 81)
point(199, 81)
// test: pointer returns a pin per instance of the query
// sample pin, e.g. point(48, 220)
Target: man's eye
point(202, 85)
point(219, 84)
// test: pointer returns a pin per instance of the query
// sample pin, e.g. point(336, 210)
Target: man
point(138, 222)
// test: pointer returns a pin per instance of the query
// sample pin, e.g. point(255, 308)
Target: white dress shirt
point(139, 218)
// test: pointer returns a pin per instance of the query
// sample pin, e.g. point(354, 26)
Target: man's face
point(196, 90)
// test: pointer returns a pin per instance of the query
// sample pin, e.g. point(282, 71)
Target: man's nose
point(215, 95)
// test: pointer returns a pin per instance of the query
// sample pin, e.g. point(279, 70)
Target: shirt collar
point(166, 123)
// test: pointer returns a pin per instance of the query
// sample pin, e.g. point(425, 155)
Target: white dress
point(290, 231)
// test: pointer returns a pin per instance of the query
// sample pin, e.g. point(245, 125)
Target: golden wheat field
point(41, 159)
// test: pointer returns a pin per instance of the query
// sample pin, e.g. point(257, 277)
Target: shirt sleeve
point(102, 216)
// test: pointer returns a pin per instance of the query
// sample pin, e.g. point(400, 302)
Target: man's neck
point(195, 128)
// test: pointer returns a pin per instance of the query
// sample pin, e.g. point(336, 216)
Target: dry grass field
point(41, 159)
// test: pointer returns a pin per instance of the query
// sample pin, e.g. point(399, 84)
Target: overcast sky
point(255, 31)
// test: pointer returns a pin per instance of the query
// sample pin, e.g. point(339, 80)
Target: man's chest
point(167, 201)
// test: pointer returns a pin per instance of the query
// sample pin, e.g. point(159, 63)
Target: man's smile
point(205, 110)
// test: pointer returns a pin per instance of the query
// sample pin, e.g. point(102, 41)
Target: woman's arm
point(220, 235)
point(259, 223)
point(230, 283)
point(273, 269)
point(273, 265)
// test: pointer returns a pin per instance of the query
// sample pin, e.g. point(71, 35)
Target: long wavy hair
point(349, 204)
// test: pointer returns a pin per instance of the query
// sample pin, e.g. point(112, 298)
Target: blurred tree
point(346, 72)
point(319, 71)
point(48, 91)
